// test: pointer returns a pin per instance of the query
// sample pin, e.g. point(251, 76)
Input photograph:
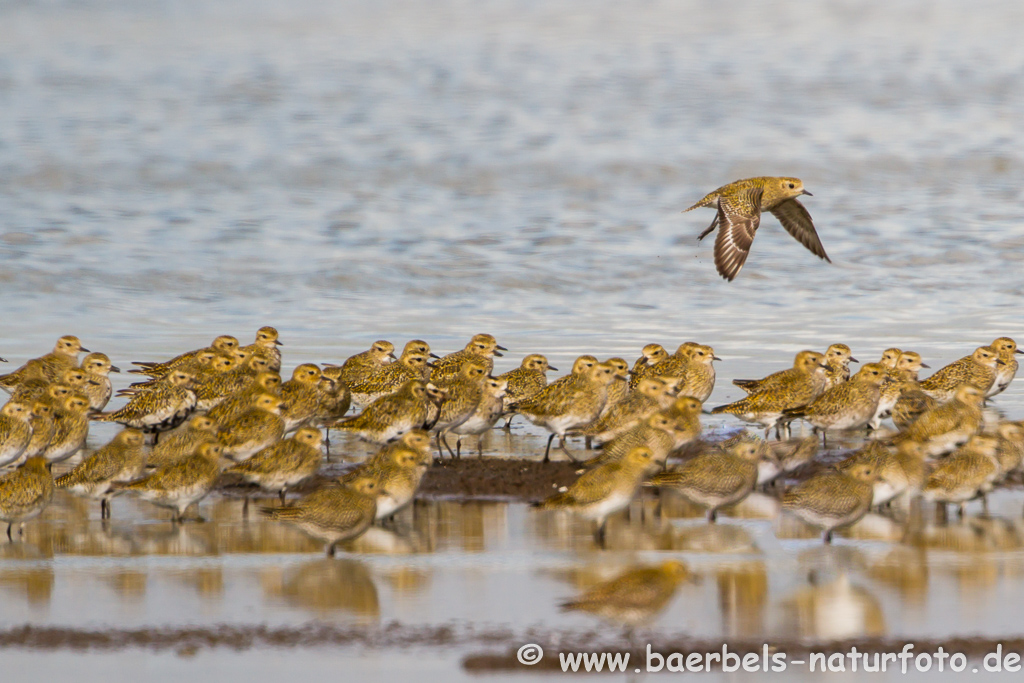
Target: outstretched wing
point(798, 223)
point(738, 219)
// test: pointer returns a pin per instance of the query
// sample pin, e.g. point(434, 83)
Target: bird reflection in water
point(834, 609)
point(325, 586)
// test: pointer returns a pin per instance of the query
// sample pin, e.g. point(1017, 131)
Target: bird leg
point(9, 537)
point(480, 446)
point(561, 444)
point(714, 224)
point(827, 537)
point(444, 440)
point(280, 495)
point(245, 508)
point(712, 515)
point(331, 548)
point(547, 451)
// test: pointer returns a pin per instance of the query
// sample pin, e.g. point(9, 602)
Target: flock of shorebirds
point(224, 408)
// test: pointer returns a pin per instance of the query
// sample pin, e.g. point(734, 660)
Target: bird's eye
point(791, 186)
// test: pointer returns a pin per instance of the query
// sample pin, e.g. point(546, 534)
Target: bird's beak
point(392, 356)
point(926, 366)
point(705, 411)
point(114, 368)
point(807, 193)
point(552, 368)
point(500, 348)
point(1017, 351)
point(499, 353)
point(853, 360)
point(715, 358)
point(279, 342)
point(84, 350)
point(434, 355)
point(999, 362)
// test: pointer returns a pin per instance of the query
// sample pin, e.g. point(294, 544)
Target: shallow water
point(355, 170)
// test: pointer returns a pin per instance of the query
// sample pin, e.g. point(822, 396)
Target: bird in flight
point(739, 206)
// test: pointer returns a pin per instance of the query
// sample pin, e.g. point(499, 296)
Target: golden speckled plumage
point(156, 408)
point(715, 478)
point(333, 513)
point(253, 430)
point(120, 460)
point(633, 597)
point(267, 346)
point(285, 463)
point(181, 483)
point(739, 205)
point(24, 493)
point(978, 370)
point(832, 499)
point(360, 366)
point(847, 405)
point(481, 349)
point(15, 431)
point(389, 416)
point(388, 378)
point(50, 367)
point(604, 490)
point(70, 429)
point(183, 441)
point(949, 425)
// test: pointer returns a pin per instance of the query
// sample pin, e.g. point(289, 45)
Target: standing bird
point(525, 381)
point(389, 416)
point(1005, 373)
point(360, 366)
point(70, 429)
point(97, 369)
point(15, 431)
point(481, 348)
point(158, 408)
point(715, 478)
point(121, 460)
point(49, 367)
point(739, 206)
point(649, 355)
point(253, 430)
point(333, 513)
point(604, 490)
point(283, 464)
point(183, 441)
point(181, 483)
point(978, 370)
point(833, 499)
point(266, 346)
point(300, 396)
point(24, 493)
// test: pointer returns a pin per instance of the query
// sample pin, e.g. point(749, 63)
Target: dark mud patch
point(459, 636)
point(496, 479)
point(481, 479)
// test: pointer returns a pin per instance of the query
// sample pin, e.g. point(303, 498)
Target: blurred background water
point(355, 170)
